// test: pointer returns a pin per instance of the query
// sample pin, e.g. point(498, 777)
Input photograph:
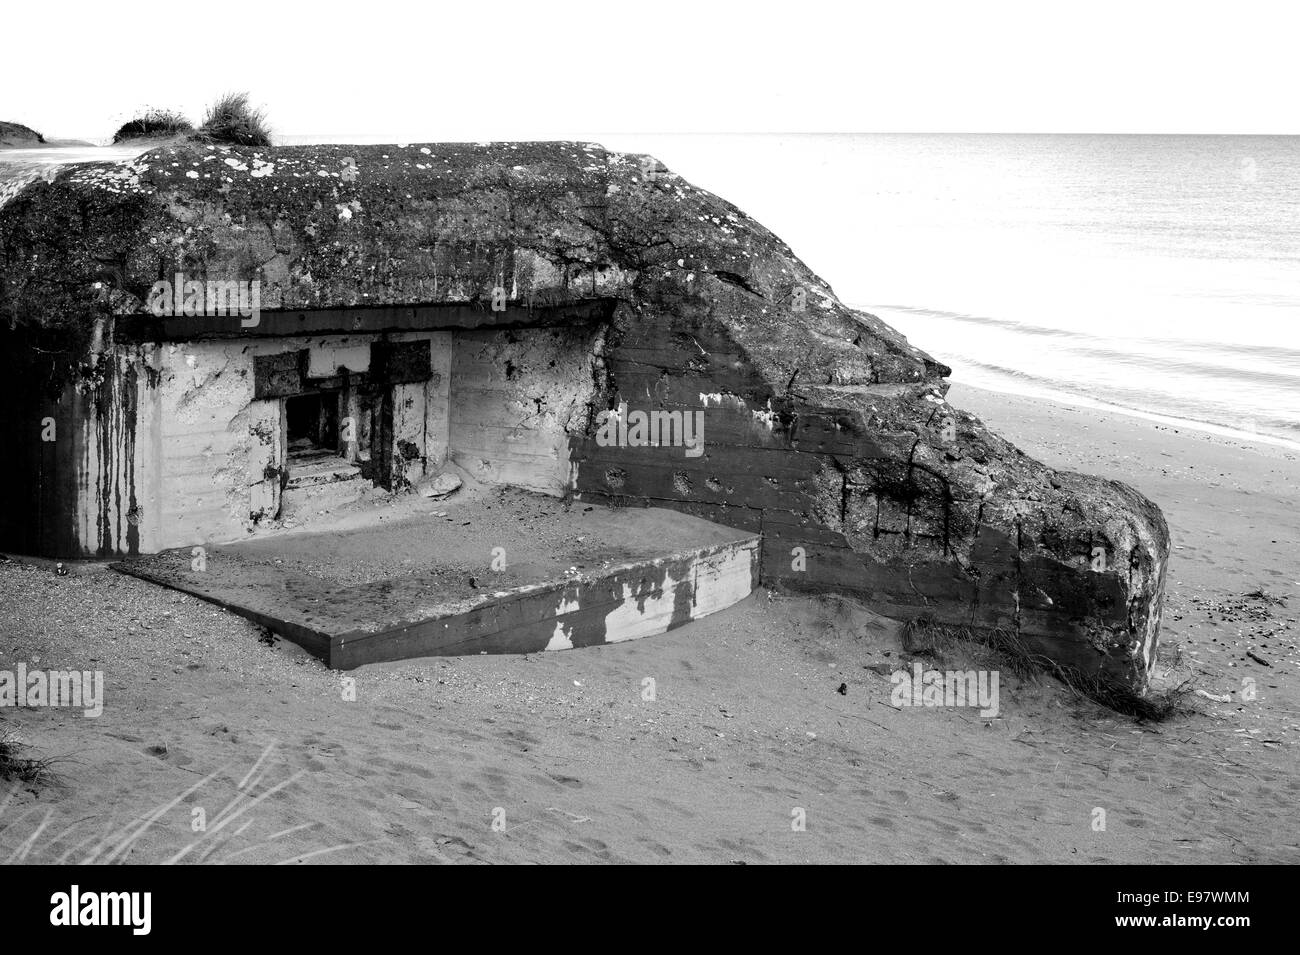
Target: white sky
point(553, 69)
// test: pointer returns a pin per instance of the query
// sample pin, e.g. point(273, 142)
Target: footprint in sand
point(674, 807)
point(162, 752)
point(519, 739)
point(402, 768)
point(224, 734)
point(658, 848)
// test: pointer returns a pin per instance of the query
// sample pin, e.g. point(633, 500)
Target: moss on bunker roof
point(423, 223)
point(197, 169)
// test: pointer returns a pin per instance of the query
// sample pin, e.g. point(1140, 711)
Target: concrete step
point(324, 592)
point(311, 469)
point(303, 501)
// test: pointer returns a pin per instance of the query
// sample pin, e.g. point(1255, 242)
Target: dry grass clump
point(15, 767)
point(154, 124)
point(232, 121)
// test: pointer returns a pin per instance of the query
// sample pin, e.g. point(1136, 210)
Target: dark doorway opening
point(312, 422)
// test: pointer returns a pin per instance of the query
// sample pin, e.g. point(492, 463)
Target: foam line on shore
point(1083, 401)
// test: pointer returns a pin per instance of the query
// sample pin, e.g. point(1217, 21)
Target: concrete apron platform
point(507, 572)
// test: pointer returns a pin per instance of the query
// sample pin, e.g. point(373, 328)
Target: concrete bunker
point(476, 305)
point(223, 436)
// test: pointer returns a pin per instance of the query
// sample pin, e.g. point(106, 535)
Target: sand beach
point(762, 735)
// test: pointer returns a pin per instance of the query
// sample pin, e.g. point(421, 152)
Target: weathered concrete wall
point(433, 431)
point(114, 441)
point(516, 399)
point(267, 459)
point(177, 450)
point(206, 441)
point(888, 492)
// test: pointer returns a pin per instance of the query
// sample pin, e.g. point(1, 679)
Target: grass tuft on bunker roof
point(233, 122)
point(154, 124)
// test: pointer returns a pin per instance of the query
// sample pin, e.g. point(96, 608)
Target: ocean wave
point(1276, 353)
point(1245, 424)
